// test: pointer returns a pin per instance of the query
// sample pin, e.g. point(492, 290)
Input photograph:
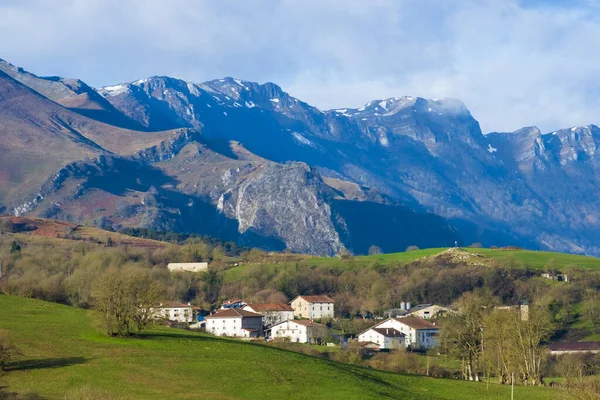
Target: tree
point(126, 298)
point(497, 333)
point(528, 337)
point(461, 334)
point(375, 250)
point(212, 285)
point(590, 308)
point(7, 350)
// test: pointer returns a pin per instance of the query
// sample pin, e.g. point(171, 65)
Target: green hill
point(64, 353)
point(533, 259)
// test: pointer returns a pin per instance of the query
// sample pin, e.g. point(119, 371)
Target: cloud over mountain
point(513, 63)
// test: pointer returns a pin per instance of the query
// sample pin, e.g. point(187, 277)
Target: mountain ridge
point(429, 156)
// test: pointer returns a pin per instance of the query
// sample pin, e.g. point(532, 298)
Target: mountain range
point(248, 162)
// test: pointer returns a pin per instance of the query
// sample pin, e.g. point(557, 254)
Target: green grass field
point(64, 355)
point(533, 259)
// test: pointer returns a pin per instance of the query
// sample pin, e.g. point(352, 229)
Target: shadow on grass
point(45, 363)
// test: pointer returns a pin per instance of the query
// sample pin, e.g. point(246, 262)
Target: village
point(307, 320)
point(304, 321)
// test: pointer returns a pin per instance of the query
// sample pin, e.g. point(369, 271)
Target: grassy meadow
point(536, 260)
point(64, 355)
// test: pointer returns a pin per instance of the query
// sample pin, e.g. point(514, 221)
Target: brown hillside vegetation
point(39, 229)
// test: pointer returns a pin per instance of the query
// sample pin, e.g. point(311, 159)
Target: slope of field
point(64, 353)
point(533, 259)
point(57, 233)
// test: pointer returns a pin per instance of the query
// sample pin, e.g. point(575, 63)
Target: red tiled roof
point(233, 313)
point(317, 299)
point(416, 323)
point(575, 346)
point(270, 307)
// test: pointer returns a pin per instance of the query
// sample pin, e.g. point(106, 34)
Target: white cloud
point(512, 63)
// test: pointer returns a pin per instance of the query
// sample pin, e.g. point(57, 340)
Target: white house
point(274, 313)
point(313, 307)
point(419, 333)
point(427, 311)
point(175, 311)
point(191, 267)
point(299, 331)
point(235, 322)
point(386, 338)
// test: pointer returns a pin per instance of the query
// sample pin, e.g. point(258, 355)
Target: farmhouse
point(175, 311)
point(313, 307)
point(191, 267)
point(235, 322)
point(385, 338)
point(274, 313)
point(299, 331)
point(419, 333)
point(558, 348)
point(427, 311)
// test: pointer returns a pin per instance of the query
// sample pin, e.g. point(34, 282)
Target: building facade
point(313, 307)
point(427, 311)
point(273, 313)
point(299, 331)
point(385, 338)
point(191, 267)
point(419, 333)
point(235, 322)
point(178, 312)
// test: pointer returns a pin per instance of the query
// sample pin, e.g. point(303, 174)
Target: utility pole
point(427, 373)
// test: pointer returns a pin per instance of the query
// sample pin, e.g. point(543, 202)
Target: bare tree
point(126, 298)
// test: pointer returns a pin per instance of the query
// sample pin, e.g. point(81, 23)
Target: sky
point(514, 63)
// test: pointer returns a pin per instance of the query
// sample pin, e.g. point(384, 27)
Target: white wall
point(180, 314)
point(233, 326)
point(272, 317)
point(192, 267)
point(304, 309)
point(383, 341)
point(416, 338)
point(224, 326)
point(297, 333)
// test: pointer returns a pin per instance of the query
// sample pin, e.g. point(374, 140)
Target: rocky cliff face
point(250, 162)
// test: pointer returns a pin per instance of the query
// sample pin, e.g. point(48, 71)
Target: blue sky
point(514, 63)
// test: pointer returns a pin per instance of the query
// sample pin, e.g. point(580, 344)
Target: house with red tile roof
point(274, 313)
point(299, 331)
point(385, 338)
point(173, 311)
point(419, 333)
point(313, 307)
point(235, 322)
